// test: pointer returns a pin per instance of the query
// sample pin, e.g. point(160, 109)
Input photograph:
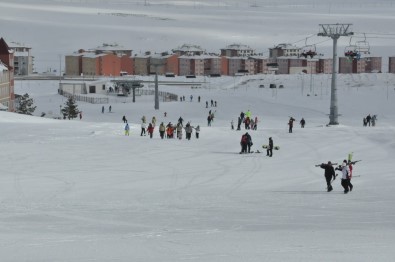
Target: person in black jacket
point(269, 150)
point(329, 174)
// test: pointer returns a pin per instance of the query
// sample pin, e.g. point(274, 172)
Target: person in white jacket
point(346, 182)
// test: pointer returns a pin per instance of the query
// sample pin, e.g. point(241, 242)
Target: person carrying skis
point(346, 183)
point(329, 174)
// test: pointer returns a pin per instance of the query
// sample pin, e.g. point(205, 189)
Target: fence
point(166, 96)
point(88, 99)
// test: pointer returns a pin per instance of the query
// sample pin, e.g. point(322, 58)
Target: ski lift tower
point(155, 63)
point(334, 31)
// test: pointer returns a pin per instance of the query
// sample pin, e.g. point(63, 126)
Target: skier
point(247, 123)
point(153, 121)
point(231, 125)
point(124, 119)
point(346, 183)
point(109, 109)
point(243, 143)
point(329, 174)
point(374, 118)
point(162, 130)
point(291, 124)
point(102, 109)
point(150, 130)
point(239, 123)
point(143, 126)
point(368, 119)
point(127, 128)
point(169, 130)
point(197, 131)
point(80, 115)
point(269, 150)
point(302, 122)
point(180, 120)
point(209, 120)
point(188, 131)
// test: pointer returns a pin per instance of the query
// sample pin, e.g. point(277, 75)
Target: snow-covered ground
point(80, 190)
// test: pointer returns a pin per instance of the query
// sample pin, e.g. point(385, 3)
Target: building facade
point(7, 96)
point(362, 65)
point(238, 50)
point(23, 60)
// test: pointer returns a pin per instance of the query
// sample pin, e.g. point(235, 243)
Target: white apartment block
point(23, 60)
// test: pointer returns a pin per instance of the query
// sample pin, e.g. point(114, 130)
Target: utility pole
point(334, 31)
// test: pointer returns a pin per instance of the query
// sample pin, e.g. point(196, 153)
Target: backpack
point(244, 139)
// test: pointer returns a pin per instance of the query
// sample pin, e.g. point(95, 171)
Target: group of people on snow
point(168, 131)
point(346, 171)
point(246, 118)
point(370, 120)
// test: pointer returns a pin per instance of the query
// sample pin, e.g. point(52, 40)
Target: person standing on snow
point(243, 143)
point(197, 131)
point(302, 122)
point(249, 142)
point(346, 183)
point(188, 131)
point(150, 130)
point(269, 150)
point(162, 130)
point(329, 174)
point(127, 128)
point(143, 126)
point(291, 124)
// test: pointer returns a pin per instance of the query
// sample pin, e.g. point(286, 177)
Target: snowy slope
point(81, 191)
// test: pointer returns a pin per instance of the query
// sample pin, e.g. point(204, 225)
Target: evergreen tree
point(25, 105)
point(70, 109)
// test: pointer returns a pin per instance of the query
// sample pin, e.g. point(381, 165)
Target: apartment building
point(199, 65)
point(23, 60)
point(363, 65)
point(325, 65)
point(7, 96)
point(284, 50)
point(238, 50)
point(188, 50)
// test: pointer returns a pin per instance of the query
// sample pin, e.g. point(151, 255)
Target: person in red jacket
point(150, 130)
